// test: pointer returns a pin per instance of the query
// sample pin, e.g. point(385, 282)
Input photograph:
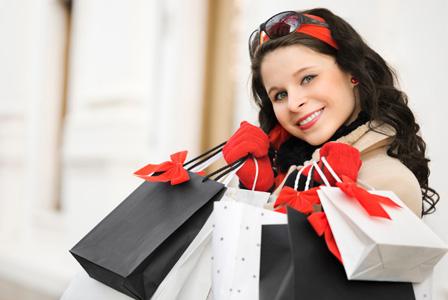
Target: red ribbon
point(172, 171)
point(302, 201)
point(320, 224)
point(370, 202)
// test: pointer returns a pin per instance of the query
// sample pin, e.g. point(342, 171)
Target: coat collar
point(367, 137)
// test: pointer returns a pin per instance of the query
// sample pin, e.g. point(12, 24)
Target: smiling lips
point(309, 120)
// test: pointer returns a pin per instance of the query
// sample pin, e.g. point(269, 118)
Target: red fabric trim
point(318, 32)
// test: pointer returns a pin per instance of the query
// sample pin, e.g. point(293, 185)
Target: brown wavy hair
point(379, 97)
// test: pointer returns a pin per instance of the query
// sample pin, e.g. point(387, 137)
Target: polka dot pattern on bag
point(236, 248)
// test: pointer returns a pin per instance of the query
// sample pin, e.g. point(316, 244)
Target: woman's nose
point(296, 101)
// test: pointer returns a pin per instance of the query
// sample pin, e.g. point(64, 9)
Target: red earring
point(354, 80)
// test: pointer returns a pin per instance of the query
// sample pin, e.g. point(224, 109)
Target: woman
point(315, 81)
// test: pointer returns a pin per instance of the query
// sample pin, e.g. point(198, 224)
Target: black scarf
point(295, 151)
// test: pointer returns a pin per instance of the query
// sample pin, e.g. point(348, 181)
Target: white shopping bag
point(401, 248)
point(190, 277)
point(236, 248)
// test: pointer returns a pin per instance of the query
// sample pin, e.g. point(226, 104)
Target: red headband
point(318, 32)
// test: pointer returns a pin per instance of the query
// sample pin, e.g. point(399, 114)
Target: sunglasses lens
point(282, 24)
point(254, 41)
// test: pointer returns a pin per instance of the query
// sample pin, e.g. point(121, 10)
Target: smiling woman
point(322, 92)
point(315, 81)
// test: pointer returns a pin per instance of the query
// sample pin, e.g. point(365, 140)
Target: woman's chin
point(317, 138)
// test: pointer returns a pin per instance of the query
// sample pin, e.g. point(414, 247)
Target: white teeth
point(310, 118)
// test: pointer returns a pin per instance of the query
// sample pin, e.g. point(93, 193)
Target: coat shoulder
point(383, 172)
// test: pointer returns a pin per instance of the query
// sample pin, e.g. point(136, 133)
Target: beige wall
point(219, 92)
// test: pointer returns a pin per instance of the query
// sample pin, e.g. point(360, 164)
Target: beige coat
point(378, 169)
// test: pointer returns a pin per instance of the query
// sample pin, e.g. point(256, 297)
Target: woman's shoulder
point(369, 136)
point(384, 172)
point(365, 138)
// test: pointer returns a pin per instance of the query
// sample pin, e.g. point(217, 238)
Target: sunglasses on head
point(279, 25)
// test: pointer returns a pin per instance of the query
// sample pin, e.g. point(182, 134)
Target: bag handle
point(221, 172)
point(309, 177)
point(314, 166)
point(336, 177)
point(214, 154)
point(296, 181)
point(232, 174)
point(322, 175)
point(256, 173)
point(205, 157)
point(228, 178)
point(206, 163)
point(230, 171)
point(330, 169)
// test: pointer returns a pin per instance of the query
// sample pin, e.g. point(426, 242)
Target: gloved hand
point(249, 139)
point(344, 160)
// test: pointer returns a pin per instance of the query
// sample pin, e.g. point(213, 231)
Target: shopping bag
point(137, 244)
point(276, 280)
point(393, 245)
point(296, 264)
point(236, 246)
point(191, 276)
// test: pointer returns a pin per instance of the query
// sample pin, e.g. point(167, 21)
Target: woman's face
point(311, 96)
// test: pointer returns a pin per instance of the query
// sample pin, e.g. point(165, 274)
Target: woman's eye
point(307, 79)
point(280, 96)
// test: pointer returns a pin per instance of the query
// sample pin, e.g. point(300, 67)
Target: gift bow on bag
point(302, 201)
point(346, 160)
point(299, 200)
point(370, 202)
point(172, 171)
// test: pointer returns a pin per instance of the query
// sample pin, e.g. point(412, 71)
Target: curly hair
point(378, 95)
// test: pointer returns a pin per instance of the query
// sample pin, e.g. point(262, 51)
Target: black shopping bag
point(276, 268)
point(316, 273)
point(136, 245)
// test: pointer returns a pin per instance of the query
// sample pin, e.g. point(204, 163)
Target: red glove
point(249, 139)
point(343, 159)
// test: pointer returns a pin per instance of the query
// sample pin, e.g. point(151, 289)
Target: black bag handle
point(221, 172)
point(205, 156)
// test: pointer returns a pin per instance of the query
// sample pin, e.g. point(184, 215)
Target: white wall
point(411, 36)
point(134, 98)
point(135, 83)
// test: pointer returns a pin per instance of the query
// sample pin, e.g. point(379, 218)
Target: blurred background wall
point(91, 90)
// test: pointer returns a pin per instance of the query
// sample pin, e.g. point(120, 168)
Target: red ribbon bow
point(302, 201)
point(172, 171)
point(370, 202)
point(320, 224)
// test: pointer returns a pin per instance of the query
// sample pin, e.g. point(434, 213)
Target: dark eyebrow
point(295, 74)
